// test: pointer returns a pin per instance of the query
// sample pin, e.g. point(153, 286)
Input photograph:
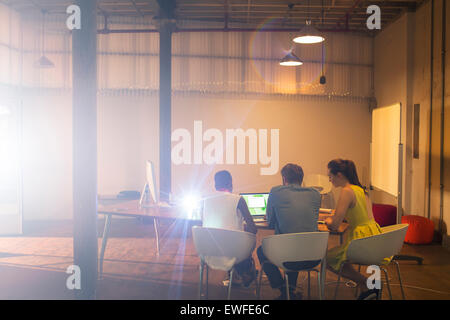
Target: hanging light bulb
point(43, 61)
point(291, 60)
point(309, 35)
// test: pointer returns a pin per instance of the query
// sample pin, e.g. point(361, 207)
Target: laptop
point(257, 204)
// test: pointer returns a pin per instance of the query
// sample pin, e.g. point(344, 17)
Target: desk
point(321, 227)
point(340, 231)
point(132, 209)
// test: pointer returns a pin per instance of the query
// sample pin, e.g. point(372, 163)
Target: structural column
point(165, 108)
point(84, 112)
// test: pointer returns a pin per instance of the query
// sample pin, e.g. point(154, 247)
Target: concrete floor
point(33, 267)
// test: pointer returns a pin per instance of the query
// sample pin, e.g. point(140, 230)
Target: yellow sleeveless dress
point(360, 226)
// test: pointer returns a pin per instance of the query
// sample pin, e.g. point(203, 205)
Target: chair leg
point(287, 286)
point(338, 280)
point(357, 287)
point(387, 282)
point(309, 285)
point(201, 280)
point(207, 281)
point(230, 283)
point(319, 283)
point(323, 276)
point(400, 279)
point(381, 290)
point(258, 285)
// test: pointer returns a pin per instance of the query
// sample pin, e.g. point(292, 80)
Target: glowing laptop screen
point(256, 202)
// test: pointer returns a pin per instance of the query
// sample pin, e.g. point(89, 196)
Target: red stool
point(384, 214)
point(420, 230)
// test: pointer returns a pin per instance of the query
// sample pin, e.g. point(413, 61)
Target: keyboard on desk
point(259, 219)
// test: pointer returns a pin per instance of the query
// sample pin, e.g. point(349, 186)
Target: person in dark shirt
point(290, 209)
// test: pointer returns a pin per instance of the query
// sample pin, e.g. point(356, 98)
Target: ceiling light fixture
point(291, 60)
point(309, 34)
point(44, 62)
point(323, 79)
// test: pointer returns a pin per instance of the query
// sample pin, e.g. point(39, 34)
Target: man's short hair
point(292, 173)
point(223, 180)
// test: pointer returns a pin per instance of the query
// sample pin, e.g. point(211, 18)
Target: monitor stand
point(146, 200)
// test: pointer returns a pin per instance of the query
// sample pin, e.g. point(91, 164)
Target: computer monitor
point(256, 203)
point(149, 189)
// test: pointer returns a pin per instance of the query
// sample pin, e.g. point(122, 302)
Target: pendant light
point(323, 79)
point(309, 34)
point(44, 62)
point(291, 60)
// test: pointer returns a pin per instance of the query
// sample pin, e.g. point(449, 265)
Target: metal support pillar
point(84, 111)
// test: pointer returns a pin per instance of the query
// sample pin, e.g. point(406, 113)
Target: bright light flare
point(309, 39)
point(191, 203)
point(290, 63)
point(4, 111)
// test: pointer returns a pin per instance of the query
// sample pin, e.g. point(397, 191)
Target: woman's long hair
point(348, 169)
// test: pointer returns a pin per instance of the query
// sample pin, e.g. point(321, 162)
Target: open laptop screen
point(256, 203)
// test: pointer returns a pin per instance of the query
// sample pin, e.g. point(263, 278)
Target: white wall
point(128, 135)
point(47, 156)
point(311, 134)
point(391, 87)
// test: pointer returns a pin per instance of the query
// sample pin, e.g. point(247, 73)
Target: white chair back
point(372, 250)
point(220, 211)
point(222, 249)
point(293, 247)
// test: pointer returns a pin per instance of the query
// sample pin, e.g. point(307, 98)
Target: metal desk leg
point(156, 227)
point(104, 241)
point(323, 273)
point(202, 267)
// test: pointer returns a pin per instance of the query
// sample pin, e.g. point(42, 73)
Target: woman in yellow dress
point(355, 207)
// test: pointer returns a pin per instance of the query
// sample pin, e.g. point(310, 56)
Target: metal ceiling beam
point(250, 13)
point(34, 4)
point(136, 7)
point(395, 4)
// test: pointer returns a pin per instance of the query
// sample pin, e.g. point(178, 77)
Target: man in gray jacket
point(290, 209)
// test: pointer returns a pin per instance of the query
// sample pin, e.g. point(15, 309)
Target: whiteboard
point(385, 148)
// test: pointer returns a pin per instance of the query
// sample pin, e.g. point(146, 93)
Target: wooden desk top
point(320, 226)
point(132, 209)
